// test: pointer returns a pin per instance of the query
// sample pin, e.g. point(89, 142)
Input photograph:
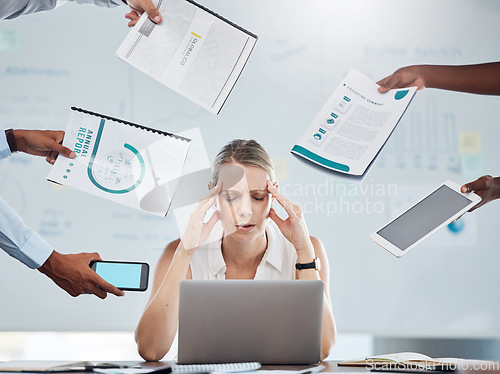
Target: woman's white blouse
point(277, 263)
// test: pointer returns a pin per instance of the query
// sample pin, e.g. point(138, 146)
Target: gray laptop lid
point(272, 322)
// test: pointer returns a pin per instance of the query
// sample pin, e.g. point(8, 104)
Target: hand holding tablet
point(442, 206)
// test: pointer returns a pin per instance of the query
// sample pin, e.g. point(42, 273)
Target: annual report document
point(121, 161)
point(353, 126)
point(192, 50)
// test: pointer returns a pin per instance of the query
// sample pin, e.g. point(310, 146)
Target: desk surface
point(330, 366)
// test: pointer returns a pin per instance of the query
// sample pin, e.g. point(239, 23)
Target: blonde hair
point(246, 152)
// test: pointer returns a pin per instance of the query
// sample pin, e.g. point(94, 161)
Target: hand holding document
point(193, 51)
point(121, 161)
point(353, 125)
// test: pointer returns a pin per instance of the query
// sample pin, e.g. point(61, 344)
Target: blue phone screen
point(120, 275)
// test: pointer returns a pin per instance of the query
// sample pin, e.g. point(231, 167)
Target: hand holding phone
point(126, 276)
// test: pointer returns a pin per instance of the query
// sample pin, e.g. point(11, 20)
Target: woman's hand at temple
point(294, 227)
point(197, 230)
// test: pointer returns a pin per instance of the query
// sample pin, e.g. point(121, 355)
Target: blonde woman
point(243, 239)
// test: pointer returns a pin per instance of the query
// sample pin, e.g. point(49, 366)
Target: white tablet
point(442, 206)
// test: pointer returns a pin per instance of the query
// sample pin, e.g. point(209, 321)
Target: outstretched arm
point(72, 273)
point(479, 79)
point(10, 9)
point(44, 143)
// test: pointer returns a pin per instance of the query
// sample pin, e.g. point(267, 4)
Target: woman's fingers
point(209, 199)
point(208, 204)
point(277, 219)
point(284, 202)
point(212, 221)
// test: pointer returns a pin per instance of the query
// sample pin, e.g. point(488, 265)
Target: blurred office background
point(438, 299)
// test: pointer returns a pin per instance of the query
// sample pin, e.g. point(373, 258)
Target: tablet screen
point(424, 217)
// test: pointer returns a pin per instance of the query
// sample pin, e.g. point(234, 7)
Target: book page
point(390, 358)
point(191, 51)
point(401, 357)
point(353, 125)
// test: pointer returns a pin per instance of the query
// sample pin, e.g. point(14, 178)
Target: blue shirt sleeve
point(20, 241)
point(4, 146)
point(10, 9)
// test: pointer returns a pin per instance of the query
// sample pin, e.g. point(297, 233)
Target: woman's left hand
point(294, 227)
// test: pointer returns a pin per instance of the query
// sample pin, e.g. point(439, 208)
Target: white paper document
point(192, 50)
point(353, 125)
point(128, 163)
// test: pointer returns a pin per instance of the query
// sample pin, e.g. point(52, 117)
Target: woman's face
point(244, 201)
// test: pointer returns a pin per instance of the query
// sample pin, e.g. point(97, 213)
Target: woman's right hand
point(197, 230)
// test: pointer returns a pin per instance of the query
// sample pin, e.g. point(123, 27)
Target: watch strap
point(11, 140)
point(307, 265)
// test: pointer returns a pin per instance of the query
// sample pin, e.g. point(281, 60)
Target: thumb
point(477, 185)
point(274, 216)
point(212, 221)
point(93, 257)
point(150, 9)
point(465, 188)
point(65, 151)
point(386, 84)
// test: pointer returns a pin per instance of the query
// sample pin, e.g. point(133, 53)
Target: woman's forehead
point(237, 176)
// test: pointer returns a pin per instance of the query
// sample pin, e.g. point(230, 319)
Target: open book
point(121, 161)
point(418, 361)
point(193, 50)
point(403, 359)
point(353, 125)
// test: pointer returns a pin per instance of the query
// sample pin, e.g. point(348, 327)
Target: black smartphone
point(127, 276)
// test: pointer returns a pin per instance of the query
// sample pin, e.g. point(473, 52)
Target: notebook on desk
point(271, 322)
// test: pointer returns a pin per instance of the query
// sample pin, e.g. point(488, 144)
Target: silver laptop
point(271, 322)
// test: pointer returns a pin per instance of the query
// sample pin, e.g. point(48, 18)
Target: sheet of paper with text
point(353, 125)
